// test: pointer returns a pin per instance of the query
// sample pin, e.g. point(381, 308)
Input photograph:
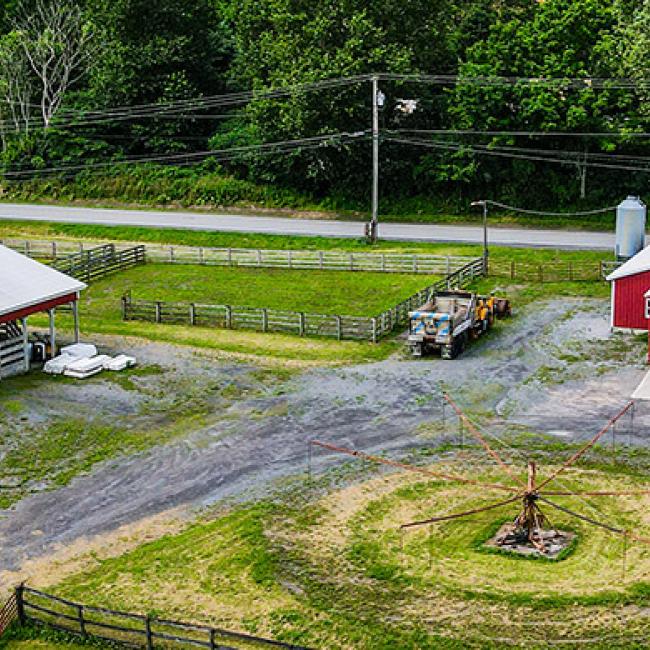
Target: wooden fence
point(132, 630)
point(94, 263)
point(552, 272)
point(262, 319)
point(259, 258)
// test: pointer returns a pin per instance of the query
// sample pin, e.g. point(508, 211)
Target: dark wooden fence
point(262, 319)
point(259, 319)
point(124, 628)
point(94, 263)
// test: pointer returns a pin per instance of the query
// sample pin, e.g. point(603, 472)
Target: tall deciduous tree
point(58, 42)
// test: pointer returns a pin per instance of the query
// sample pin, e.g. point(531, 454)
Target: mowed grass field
point(321, 292)
point(327, 566)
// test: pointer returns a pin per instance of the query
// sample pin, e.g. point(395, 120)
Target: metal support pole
point(75, 316)
point(25, 344)
point(52, 332)
point(485, 238)
point(375, 162)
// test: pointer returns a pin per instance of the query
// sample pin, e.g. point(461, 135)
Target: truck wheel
point(416, 350)
point(448, 351)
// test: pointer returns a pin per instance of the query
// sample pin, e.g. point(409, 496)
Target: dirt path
point(383, 406)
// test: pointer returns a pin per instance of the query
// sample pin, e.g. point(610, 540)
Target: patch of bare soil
point(85, 553)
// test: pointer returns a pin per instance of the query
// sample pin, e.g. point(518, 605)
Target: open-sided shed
point(28, 287)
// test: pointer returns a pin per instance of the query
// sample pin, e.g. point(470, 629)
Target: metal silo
point(630, 227)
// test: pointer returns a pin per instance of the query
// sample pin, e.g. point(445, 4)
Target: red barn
point(630, 283)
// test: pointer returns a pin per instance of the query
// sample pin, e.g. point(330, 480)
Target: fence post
point(290, 259)
point(213, 644)
point(570, 272)
point(383, 262)
point(230, 257)
point(448, 265)
point(53, 250)
point(158, 312)
point(265, 320)
point(415, 263)
point(512, 270)
point(201, 256)
point(302, 323)
point(20, 603)
point(259, 257)
point(228, 317)
point(82, 623)
point(541, 273)
point(192, 314)
point(339, 328)
point(124, 307)
point(373, 322)
point(320, 259)
point(351, 262)
point(171, 253)
point(149, 635)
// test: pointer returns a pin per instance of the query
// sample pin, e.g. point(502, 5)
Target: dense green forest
point(542, 104)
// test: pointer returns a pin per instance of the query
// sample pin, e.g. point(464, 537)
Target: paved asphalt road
point(287, 226)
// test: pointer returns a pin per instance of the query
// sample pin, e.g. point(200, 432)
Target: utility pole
point(377, 99)
point(484, 205)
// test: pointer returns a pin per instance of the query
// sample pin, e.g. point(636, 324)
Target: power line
point(283, 146)
point(584, 213)
point(497, 80)
point(532, 134)
point(127, 112)
point(502, 154)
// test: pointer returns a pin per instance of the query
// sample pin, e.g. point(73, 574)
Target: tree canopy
point(148, 76)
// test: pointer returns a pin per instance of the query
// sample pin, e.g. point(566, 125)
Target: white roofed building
point(28, 287)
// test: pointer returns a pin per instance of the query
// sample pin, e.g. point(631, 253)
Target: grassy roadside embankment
point(169, 188)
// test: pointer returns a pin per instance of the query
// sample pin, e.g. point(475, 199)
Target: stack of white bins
point(82, 361)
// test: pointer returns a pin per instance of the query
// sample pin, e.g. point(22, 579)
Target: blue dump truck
point(450, 319)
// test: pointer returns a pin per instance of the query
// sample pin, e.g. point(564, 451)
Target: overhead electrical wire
point(283, 146)
point(571, 153)
point(140, 110)
point(516, 156)
point(531, 134)
point(583, 213)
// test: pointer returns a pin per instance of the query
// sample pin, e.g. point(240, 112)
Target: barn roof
point(637, 264)
point(26, 283)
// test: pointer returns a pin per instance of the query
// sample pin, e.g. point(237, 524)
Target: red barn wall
point(629, 303)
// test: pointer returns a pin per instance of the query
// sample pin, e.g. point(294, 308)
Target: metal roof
point(26, 283)
point(637, 264)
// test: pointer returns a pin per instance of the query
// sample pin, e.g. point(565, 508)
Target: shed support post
point(75, 316)
point(52, 332)
point(25, 343)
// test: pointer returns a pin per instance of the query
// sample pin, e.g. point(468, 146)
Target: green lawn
point(328, 568)
point(321, 292)
point(42, 230)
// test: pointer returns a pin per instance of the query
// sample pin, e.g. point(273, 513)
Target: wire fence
point(31, 606)
point(261, 319)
